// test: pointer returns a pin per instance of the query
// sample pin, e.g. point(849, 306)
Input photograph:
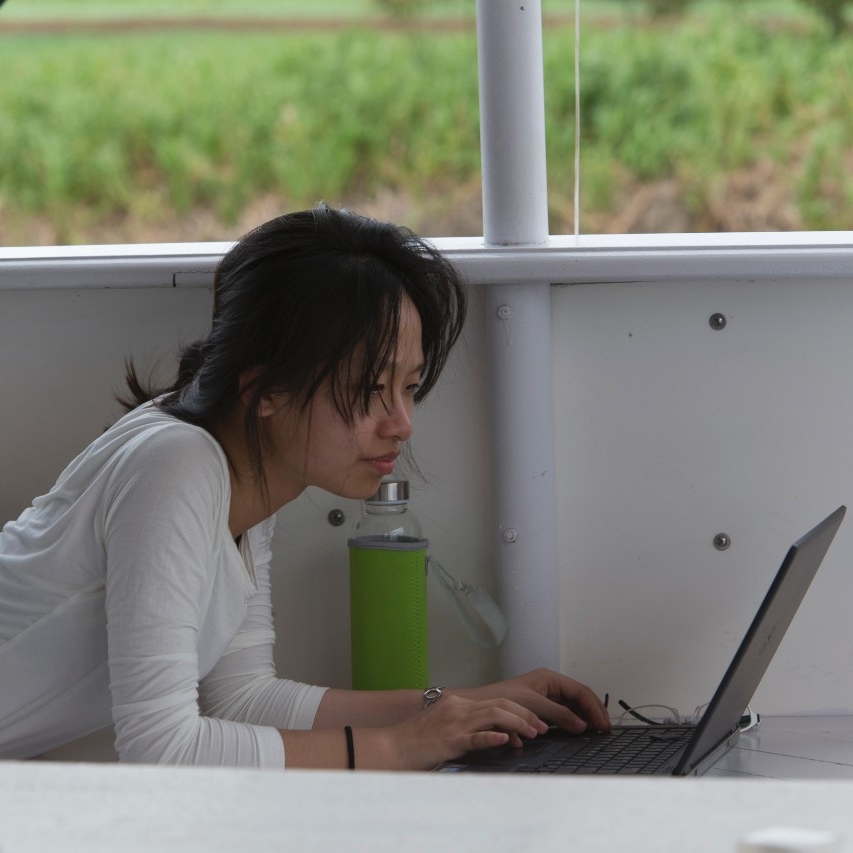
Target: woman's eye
point(380, 389)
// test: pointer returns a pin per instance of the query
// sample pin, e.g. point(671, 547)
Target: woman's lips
point(384, 464)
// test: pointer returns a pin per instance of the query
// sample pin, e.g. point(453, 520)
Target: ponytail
point(141, 391)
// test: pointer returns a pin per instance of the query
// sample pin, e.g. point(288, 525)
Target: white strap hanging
point(577, 199)
point(489, 628)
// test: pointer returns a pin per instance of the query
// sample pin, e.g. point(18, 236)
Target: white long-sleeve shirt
point(124, 599)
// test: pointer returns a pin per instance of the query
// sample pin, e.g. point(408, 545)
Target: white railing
point(595, 258)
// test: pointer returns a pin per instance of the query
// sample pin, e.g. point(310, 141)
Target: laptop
point(684, 749)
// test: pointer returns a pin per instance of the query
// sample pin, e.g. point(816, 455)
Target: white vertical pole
point(512, 121)
point(518, 320)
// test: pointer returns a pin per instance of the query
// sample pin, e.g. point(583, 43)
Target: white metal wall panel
point(62, 358)
point(670, 432)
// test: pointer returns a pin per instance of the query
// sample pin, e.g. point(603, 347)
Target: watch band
point(432, 695)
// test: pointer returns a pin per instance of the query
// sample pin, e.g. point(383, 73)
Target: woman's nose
point(398, 421)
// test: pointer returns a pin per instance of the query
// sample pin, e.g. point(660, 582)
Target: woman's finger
point(495, 718)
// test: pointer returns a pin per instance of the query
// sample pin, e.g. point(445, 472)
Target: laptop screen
point(761, 641)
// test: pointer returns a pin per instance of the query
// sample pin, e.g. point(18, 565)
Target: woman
point(136, 593)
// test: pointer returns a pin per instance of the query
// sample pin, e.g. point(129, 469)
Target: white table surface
point(793, 748)
point(67, 806)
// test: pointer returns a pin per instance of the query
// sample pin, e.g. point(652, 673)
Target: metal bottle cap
point(390, 491)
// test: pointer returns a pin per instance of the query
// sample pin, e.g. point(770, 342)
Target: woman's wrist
point(377, 749)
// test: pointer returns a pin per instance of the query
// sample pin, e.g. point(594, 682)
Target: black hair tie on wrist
point(350, 747)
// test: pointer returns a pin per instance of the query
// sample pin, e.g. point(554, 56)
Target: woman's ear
point(266, 405)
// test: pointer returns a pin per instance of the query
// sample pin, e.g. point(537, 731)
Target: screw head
point(717, 322)
point(336, 517)
point(510, 535)
point(722, 542)
point(504, 312)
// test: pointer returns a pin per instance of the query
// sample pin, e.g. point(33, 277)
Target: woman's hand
point(455, 725)
point(502, 713)
point(555, 698)
point(446, 730)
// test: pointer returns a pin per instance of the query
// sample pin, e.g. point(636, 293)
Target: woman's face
point(318, 448)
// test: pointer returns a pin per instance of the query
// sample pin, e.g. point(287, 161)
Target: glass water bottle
point(388, 612)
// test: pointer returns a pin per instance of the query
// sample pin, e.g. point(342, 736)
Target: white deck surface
point(62, 806)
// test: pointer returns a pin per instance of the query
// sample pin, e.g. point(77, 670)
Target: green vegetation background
point(146, 125)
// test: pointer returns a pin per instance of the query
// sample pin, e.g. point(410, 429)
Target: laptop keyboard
point(635, 749)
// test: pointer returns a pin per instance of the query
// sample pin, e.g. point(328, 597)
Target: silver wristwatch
point(432, 695)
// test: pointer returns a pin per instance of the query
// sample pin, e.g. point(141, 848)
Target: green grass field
point(96, 126)
point(82, 9)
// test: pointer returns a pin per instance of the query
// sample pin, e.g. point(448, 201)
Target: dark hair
point(311, 299)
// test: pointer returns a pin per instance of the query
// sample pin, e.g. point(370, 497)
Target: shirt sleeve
point(243, 685)
point(162, 521)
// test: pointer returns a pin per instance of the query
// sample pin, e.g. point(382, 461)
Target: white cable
point(577, 117)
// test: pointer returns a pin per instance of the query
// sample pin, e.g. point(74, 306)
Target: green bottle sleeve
point(388, 613)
